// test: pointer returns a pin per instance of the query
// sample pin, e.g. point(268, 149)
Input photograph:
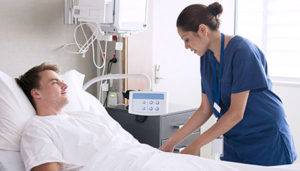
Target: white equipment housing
point(148, 103)
point(113, 16)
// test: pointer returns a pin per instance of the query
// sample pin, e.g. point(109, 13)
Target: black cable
point(108, 72)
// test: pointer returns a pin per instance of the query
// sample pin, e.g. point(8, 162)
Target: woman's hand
point(167, 147)
point(191, 149)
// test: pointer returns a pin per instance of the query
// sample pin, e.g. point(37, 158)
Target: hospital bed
point(16, 110)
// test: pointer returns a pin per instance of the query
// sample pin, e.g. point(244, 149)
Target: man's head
point(43, 87)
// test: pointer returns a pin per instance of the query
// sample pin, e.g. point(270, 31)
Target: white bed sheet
point(11, 161)
point(295, 166)
point(150, 160)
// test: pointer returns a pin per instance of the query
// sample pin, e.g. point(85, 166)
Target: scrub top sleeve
point(38, 148)
point(202, 87)
point(248, 71)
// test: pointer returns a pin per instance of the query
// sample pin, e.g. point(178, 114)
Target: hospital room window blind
point(274, 25)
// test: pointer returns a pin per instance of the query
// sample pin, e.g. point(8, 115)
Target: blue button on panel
point(157, 108)
point(151, 102)
point(150, 108)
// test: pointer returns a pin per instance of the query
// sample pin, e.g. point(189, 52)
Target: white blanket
point(89, 142)
point(140, 158)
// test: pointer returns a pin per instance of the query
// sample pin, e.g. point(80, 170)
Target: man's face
point(52, 90)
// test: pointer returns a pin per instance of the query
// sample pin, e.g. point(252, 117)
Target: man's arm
point(54, 166)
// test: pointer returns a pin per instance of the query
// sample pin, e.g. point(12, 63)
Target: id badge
point(218, 146)
point(217, 107)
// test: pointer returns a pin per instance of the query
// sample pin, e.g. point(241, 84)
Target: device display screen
point(148, 96)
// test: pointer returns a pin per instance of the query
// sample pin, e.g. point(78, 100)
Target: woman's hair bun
point(215, 8)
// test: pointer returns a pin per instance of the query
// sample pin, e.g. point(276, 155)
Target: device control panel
point(148, 103)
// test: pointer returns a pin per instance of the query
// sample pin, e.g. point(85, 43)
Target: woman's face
point(196, 42)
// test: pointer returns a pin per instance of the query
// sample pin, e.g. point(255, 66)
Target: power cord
point(89, 42)
point(109, 65)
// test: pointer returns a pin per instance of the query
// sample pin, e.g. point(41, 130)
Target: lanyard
point(217, 81)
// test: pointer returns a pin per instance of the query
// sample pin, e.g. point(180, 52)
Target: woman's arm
point(201, 115)
point(54, 166)
point(232, 117)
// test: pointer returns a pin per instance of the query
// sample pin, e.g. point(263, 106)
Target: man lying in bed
point(47, 93)
point(54, 140)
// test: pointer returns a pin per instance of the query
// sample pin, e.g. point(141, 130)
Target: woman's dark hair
point(31, 79)
point(194, 15)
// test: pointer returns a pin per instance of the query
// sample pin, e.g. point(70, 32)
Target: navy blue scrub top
point(263, 136)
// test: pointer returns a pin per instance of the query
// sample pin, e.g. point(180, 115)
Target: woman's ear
point(202, 30)
point(35, 93)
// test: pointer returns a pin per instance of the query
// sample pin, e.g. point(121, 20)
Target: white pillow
point(80, 100)
point(15, 111)
point(74, 80)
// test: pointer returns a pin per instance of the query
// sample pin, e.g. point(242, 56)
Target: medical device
point(148, 103)
point(106, 19)
point(113, 16)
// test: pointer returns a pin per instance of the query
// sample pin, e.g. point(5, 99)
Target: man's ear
point(202, 30)
point(35, 93)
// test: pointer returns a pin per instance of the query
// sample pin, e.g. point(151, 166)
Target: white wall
point(32, 32)
point(140, 52)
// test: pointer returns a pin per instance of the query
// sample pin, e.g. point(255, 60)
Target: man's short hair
point(31, 79)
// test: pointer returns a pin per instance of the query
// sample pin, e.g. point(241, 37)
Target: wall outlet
point(104, 86)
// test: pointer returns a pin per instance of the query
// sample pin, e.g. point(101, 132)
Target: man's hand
point(54, 166)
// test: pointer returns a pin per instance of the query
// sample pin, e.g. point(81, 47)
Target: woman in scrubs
point(236, 88)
